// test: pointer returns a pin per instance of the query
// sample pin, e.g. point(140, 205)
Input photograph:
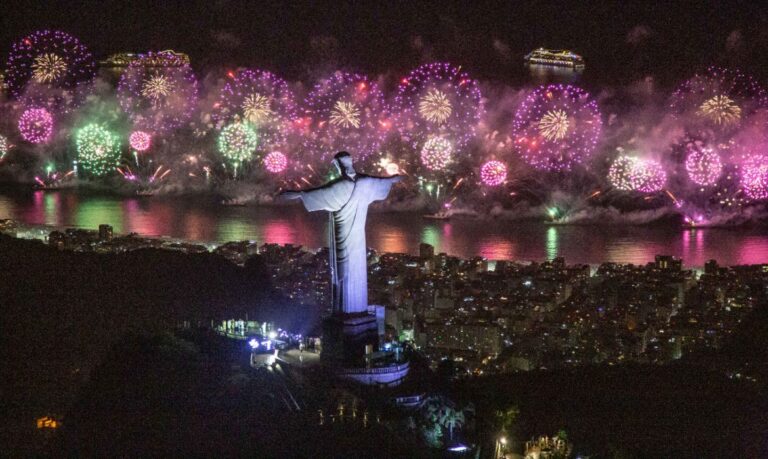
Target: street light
point(501, 446)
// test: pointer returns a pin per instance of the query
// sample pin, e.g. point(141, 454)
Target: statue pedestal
point(345, 337)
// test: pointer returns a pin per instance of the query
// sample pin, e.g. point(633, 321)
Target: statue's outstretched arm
point(296, 194)
point(379, 186)
point(290, 194)
point(324, 197)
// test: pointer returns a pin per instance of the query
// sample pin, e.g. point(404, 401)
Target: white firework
point(48, 68)
point(435, 107)
point(345, 114)
point(721, 110)
point(554, 125)
point(157, 87)
point(256, 109)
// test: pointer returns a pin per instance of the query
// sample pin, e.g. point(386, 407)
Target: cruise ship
point(557, 57)
point(167, 58)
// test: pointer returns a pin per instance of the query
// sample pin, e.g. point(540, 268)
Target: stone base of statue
point(350, 347)
point(346, 336)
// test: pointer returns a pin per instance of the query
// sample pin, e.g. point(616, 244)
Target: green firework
point(98, 150)
point(237, 142)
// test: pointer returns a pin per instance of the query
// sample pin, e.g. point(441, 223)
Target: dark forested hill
point(61, 311)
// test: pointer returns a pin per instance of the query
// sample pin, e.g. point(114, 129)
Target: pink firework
point(49, 68)
point(557, 127)
point(630, 173)
point(158, 91)
point(704, 165)
point(437, 153)
point(140, 140)
point(261, 99)
point(438, 99)
point(36, 125)
point(719, 100)
point(275, 162)
point(651, 176)
point(344, 112)
point(754, 177)
point(493, 173)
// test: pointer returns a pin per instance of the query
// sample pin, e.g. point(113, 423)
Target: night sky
point(619, 40)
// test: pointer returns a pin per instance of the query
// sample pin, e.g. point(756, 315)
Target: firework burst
point(435, 107)
point(704, 165)
point(263, 100)
point(344, 112)
point(493, 173)
point(622, 171)
point(36, 125)
point(140, 140)
point(556, 127)
point(46, 67)
point(651, 177)
point(157, 87)
point(158, 91)
point(438, 99)
point(98, 150)
point(436, 153)
point(238, 142)
point(553, 125)
point(719, 99)
point(754, 177)
point(3, 147)
point(388, 165)
point(630, 173)
point(256, 109)
point(275, 162)
point(721, 110)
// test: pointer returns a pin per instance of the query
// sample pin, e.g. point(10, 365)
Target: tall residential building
point(426, 251)
point(105, 232)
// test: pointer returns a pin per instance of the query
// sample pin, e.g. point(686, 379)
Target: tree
point(433, 435)
point(451, 418)
point(442, 412)
point(431, 407)
point(410, 424)
point(505, 419)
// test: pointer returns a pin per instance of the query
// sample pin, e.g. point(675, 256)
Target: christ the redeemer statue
point(347, 199)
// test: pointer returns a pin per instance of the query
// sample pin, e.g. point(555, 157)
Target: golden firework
point(48, 68)
point(345, 114)
point(435, 107)
point(554, 125)
point(256, 109)
point(156, 87)
point(721, 110)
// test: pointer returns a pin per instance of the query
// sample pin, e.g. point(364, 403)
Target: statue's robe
point(347, 201)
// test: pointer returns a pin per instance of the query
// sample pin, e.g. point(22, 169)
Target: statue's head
point(343, 162)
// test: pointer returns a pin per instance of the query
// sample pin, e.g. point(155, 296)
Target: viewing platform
point(385, 375)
